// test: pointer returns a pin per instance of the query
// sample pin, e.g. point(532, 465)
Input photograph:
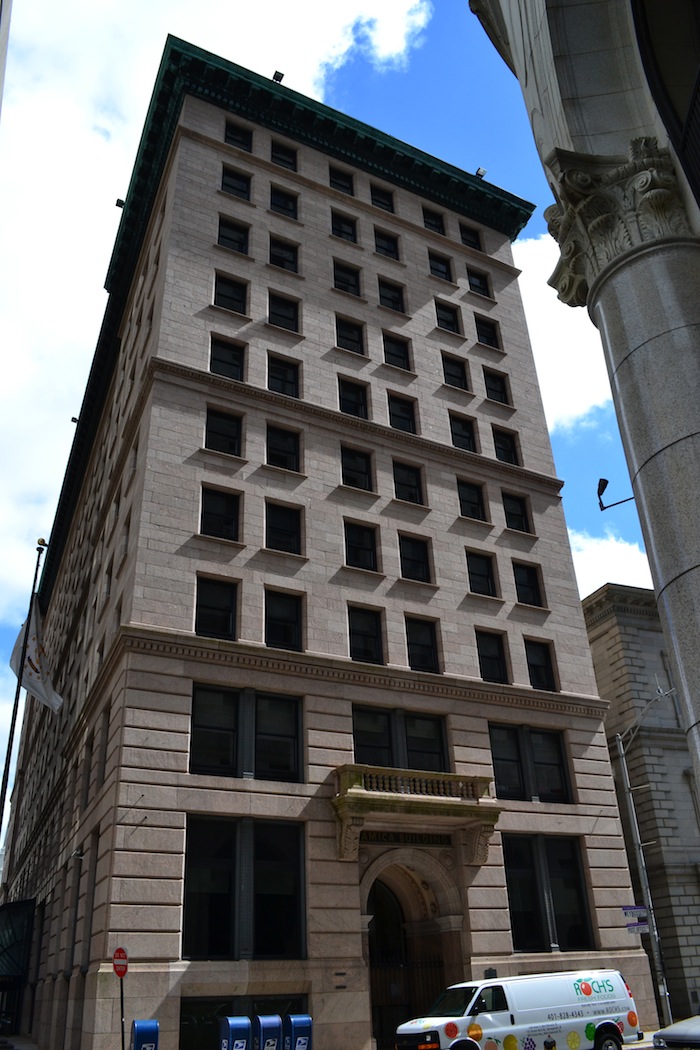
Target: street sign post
point(120, 963)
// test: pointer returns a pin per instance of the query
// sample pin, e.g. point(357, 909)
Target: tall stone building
point(331, 736)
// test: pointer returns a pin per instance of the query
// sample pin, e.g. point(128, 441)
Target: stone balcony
point(388, 799)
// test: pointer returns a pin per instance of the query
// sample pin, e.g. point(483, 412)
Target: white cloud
point(607, 559)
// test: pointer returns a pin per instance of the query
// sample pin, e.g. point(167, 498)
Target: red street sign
point(120, 962)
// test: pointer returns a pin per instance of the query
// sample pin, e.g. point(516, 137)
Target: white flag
point(35, 674)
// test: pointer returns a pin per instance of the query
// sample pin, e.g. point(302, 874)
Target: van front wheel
point(607, 1041)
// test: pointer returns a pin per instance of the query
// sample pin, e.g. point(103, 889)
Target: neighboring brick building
point(331, 735)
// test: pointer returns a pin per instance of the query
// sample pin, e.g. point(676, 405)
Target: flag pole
point(41, 547)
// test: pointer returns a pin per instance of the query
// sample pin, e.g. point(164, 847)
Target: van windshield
point(453, 1002)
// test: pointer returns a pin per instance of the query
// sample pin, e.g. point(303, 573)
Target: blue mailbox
point(267, 1032)
point(235, 1033)
point(144, 1035)
point(296, 1031)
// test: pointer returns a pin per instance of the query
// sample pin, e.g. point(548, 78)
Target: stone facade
point(331, 735)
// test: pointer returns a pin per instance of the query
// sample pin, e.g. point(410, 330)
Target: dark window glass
point(496, 386)
point(386, 244)
point(402, 414)
point(463, 433)
point(372, 736)
point(210, 889)
point(343, 226)
point(546, 893)
point(213, 747)
point(220, 514)
point(223, 433)
point(283, 376)
point(391, 295)
point(415, 558)
point(455, 372)
point(227, 359)
point(382, 198)
point(529, 764)
point(527, 584)
point(238, 135)
point(481, 575)
point(283, 203)
point(285, 156)
point(283, 620)
point(470, 236)
point(284, 254)
point(478, 282)
point(230, 294)
point(283, 448)
point(283, 528)
point(396, 351)
point(341, 180)
point(346, 278)
point(233, 235)
point(421, 639)
point(517, 517)
point(433, 220)
point(284, 312)
point(352, 398)
point(471, 500)
point(400, 739)
point(492, 657)
point(539, 665)
point(361, 546)
point(447, 317)
point(277, 738)
point(487, 332)
point(348, 335)
point(440, 266)
point(425, 743)
point(356, 468)
point(216, 608)
point(236, 182)
point(408, 483)
point(505, 446)
point(365, 626)
point(277, 890)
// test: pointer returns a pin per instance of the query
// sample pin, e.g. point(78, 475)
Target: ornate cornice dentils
point(609, 206)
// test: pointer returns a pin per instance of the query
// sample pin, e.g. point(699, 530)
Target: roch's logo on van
point(599, 986)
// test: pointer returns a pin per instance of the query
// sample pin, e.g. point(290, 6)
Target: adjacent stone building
point(331, 736)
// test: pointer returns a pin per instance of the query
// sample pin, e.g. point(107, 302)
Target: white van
point(544, 1011)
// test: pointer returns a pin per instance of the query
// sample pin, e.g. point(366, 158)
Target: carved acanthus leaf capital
point(607, 207)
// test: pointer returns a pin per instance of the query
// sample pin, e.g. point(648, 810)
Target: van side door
point(492, 1014)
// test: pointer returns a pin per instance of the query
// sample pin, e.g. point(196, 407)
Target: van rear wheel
point(607, 1041)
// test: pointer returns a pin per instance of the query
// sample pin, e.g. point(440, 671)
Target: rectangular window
point(482, 579)
point(463, 433)
point(478, 282)
point(496, 384)
point(233, 235)
point(414, 554)
point(284, 313)
point(284, 255)
point(470, 236)
point(540, 665)
point(421, 640)
point(408, 483)
point(223, 432)
point(487, 332)
point(284, 203)
point(391, 295)
point(505, 444)
point(402, 413)
point(239, 135)
point(440, 266)
point(447, 317)
point(283, 376)
point(227, 359)
point(492, 656)
point(349, 335)
point(346, 278)
point(283, 448)
point(341, 180)
point(240, 733)
point(529, 764)
point(471, 500)
point(365, 629)
point(386, 244)
point(283, 626)
point(515, 509)
point(546, 893)
point(382, 198)
point(215, 613)
point(343, 226)
point(213, 746)
point(285, 156)
point(455, 372)
point(527, 584)
point(356, 468)
point(433, 220)
point(283, 528)
point(400, 739)
point(396, 351)
point(236, 182)
point(220, 514)
point(352, 398)
point(230, 294)
point(277, 738)
point(361, 546)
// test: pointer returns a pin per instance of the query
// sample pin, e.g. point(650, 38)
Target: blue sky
point(78, 82)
